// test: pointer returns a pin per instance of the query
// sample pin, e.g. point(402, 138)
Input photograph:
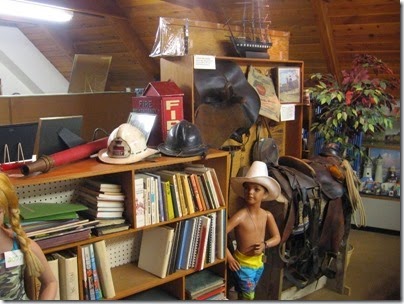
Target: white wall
point(23, 69)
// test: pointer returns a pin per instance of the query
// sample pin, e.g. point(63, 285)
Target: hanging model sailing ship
point(254, 40)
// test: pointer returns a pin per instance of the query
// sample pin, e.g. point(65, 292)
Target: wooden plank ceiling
point(325, 34)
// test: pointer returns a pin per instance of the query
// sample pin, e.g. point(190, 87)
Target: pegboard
point(53, 192)
point(121, 250)
point(124, 249)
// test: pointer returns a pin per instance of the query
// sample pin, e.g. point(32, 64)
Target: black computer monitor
point(13, 135)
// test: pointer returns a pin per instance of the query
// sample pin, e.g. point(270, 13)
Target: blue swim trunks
point(247, 277)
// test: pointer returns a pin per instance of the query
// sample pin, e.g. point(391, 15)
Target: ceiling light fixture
point(32, 10)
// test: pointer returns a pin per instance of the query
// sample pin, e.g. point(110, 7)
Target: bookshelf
point(59, 184)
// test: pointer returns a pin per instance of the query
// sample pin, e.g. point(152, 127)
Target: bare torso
point(250, 230)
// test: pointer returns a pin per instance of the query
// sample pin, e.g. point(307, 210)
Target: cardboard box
point(165, 99)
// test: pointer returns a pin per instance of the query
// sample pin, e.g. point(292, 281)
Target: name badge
point(13, 258)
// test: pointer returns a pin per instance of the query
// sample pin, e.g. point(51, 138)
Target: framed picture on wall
point(287, 84)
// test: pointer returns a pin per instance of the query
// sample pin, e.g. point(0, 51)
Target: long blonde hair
point(9, 203)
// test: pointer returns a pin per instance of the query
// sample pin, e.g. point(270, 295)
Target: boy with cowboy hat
point(250, 225)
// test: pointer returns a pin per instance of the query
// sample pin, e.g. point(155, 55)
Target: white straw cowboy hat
point(258, 173)
point(126, 145)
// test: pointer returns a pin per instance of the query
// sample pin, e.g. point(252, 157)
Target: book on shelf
point(147, 196)
point(104, 269)
point(110, 222)
point(36, 211)
point(155, 249)
point(202, 191)
point(168, 201)
point(221, 234)
point(90, 289)
point(181, 194)
point(40, 225)
point(108, 208)
point(173, 254)
point(188, 236)
point(54, 266)
point(193, 197)
point(194, 243)
point(68, 275)
point(103, 186)
point(203, 242)
point(167, 175)
point(196, 191)
point(64, 238)
point(215, 294)
point(155, 294)
point(102, 214)
point(139, 202)
point(97, 285)
point(176, 204)
point(151, 202)
point(182, 243)
point(186, 190)
point(218, 188)
point(160, 200)
point(211, 250)
point(63, 227)
point(98, 195)
point(99, 231)
point(99, 204)
point(86, 287)
point(54, 217)
point(201, 282)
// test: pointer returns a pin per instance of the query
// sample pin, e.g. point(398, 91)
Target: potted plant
point(355, 106)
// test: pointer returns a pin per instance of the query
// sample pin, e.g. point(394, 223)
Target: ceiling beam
point(326, 38)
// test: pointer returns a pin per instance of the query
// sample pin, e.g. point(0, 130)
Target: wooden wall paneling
point(5, 117)
point(99, 110)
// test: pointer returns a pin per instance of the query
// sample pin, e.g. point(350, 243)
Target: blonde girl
point(21, 259)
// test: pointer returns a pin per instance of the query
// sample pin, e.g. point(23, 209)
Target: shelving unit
point(58, 184)
point(287, 134)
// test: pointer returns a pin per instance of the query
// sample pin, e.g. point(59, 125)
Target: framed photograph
point(391, 158)
point(287, 84)
point(89, 73)
point(143, 121)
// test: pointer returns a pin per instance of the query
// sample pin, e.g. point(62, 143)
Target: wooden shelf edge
point(133, 280)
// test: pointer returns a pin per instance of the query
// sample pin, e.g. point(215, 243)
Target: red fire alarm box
point(165, 99)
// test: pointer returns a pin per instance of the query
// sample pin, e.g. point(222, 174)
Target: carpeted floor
point(374, 272)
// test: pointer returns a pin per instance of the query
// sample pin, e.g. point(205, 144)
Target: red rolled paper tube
point(46, 162)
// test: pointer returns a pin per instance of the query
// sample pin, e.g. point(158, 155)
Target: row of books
point(167, 194)
point(192, 243)
point(105, 203)
point(97, 277)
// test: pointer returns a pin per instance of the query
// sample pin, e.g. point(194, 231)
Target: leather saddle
point(310, 186)
point(320, 167)
point(226, 105)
